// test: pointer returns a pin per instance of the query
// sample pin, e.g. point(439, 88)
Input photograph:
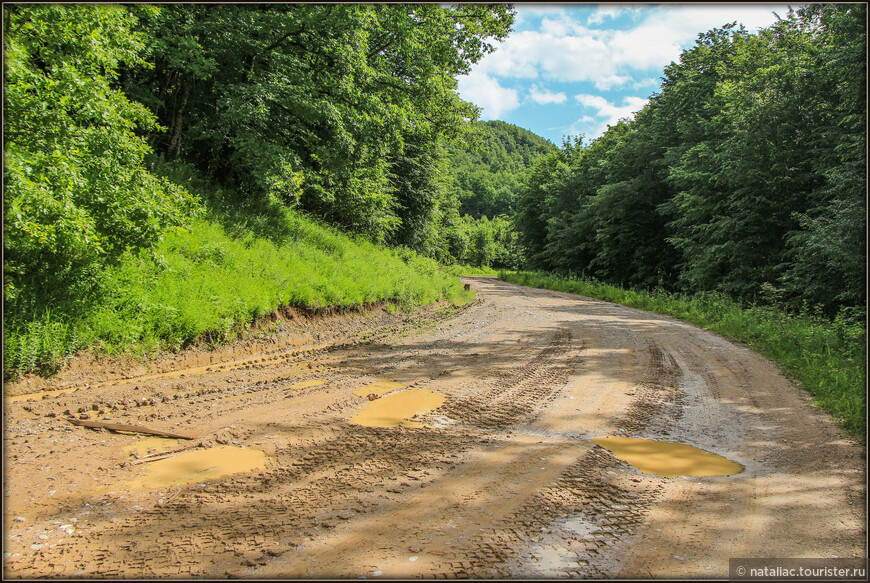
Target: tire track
point(501, 481)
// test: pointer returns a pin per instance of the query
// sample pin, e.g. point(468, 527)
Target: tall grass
point(827, 357)
point(236, 262)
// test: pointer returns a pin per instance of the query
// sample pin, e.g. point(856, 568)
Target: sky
point(571, 69)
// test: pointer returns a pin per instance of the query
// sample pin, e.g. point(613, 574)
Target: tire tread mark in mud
point(366, 459)
point(361, 461)
point(658, 395)
point(584, 492)
point(518, 395)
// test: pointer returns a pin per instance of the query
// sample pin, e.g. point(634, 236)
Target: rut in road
point(501, 480)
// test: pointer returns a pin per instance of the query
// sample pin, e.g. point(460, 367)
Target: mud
point(379, 388)
point(149, 445)
point(502, 479)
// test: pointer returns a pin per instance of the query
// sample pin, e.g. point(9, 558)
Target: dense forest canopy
point(339, 110)
point(745, 174)
point(486, 171)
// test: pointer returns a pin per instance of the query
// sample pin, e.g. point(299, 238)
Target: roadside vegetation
point(827, 356)
point(174, 171)
point(209, 280)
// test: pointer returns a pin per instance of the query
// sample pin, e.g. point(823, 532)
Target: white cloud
point(600, 113)
point(528, 12)
point(486, 92)
point(544, 96)
point(565, 50)
point(647, 82)
point(659, 39)
point(604, 12)
point(532, 55)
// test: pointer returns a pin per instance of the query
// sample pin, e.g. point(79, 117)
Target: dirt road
point(383, 445)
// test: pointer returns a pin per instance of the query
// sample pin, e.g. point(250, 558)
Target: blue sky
point(569, 69)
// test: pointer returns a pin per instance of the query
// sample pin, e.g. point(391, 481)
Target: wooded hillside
point(339, 112)
point(486, 172)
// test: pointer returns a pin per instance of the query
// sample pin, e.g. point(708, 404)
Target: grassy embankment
point(826, 357)
point(236, 262)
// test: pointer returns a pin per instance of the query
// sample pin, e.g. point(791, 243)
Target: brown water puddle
point(200, 466)
point(669, 459)
point(397, 409)
point(379, 388)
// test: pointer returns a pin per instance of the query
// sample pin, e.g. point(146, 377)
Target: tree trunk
point(175, 143)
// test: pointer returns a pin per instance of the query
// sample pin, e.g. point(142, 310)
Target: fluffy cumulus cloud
point(543, 96)
point(565, 49)
point(486, 92)
point(609, 11)
point(605, 55)
point(600, 113)
point(549, 56)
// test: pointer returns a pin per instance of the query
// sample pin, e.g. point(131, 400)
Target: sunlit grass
point(213, 279)
point(826, 357)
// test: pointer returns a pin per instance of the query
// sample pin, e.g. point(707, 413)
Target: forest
point(745, 174)
point(145, 144)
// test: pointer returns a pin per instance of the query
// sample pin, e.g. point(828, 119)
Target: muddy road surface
point(443, 444)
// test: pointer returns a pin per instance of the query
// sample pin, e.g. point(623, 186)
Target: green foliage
point(485, 243)
point(210, 280)
point(486, 166)
point(830, 247)
point(826, 356)
point(748, 168)
point(336, 108)
point(77, 193)
point(41, 345)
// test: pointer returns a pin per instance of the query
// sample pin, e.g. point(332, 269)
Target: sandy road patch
point(502, 479)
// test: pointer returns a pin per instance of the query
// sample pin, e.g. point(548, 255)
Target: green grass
point(826, 357)
point(234, 264)
point(459, 270)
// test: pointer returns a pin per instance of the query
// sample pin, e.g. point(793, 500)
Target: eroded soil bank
point(477, 462)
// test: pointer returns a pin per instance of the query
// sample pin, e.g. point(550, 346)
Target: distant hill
point(485, 174)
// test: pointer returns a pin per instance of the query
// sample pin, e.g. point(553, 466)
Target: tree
point(486, 165)
point(78, 194)
point(532, 215)
point(748, 169)
point(829, 251)
point(336, 108)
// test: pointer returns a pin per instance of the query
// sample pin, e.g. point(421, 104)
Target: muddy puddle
point(667, 458)
point(398, 408)
point(200, 466)
point(42, 395)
